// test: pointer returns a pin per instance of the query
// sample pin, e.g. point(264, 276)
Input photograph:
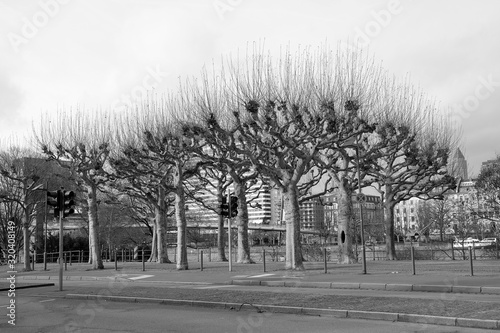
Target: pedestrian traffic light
point(53, 200)
point(68, 203)
point(224, 207)
point(234, 206)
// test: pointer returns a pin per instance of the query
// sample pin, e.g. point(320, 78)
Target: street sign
point(361, 197)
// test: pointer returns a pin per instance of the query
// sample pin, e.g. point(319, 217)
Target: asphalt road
point(46, 314)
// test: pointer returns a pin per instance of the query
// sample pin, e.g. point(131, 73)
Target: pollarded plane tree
point(143, 179)
point(81, 141)
point(164, 138)
point(355, 88)
point(21, 195)
point(209, 108)
point(282, 123)
point(414, 143)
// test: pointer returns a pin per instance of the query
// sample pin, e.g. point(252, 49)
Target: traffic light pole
point(229, 232)
point(61, 251)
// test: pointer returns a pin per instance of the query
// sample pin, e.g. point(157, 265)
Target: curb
point(30, 286)
point(354, 314)
point(372, 286)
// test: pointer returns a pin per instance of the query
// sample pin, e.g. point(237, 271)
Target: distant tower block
point(457, 165)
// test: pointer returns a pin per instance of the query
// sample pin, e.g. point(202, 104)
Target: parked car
point(488, 242)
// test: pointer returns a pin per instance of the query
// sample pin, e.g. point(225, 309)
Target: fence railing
point(310, 252)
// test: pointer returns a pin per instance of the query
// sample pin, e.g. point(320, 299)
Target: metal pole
point(496, 246)
point(452, 251)
point(264, 259)
point(412, 259)
point(61, 250)
point(363, 251)
point(143, 262)
point(324, 259)
point(45, 222)
point(229, 232)
point(70, 256)
point(116, 260)
point(34, 259)
point(470, 260)
point(201, 261)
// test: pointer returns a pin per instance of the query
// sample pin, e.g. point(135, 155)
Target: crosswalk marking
point(48, 300)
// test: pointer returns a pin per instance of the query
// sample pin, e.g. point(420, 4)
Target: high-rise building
point(457, 165)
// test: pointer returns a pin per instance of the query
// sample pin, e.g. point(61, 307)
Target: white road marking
point(258, 276)
point(140, 277)
point(48, 300)
point(240, 276)
point(214, 287)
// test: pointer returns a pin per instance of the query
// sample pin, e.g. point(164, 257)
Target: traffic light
point(53, 200)
point(68, 203)
point(234, 206)
point(224, 207)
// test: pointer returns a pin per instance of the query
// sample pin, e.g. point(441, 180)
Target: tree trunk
point(242, 223)
point(160, 227)
point(180, 217)
point(221, 241)
point(26, 245)
point(390, 248)
point(293, 248)
point(345, 220)
point(153, 257)
point(94, 228)
point(91, 241)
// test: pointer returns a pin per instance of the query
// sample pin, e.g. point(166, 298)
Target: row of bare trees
point(301, 121)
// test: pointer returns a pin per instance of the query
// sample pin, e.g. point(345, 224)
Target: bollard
point(44, 261)
point(452, 251)
point(412, 260)
point(123, 258)
point(470, 259)
point(201, 261)
point(496, 246)
point(324, 259)
point(264, 258)
point(373, 252)
point(209, 254)
point(65, 258)
point(70, 256)
point(34, 259)
point(143, 262)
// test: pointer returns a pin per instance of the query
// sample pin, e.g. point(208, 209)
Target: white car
point(488, 242)
point(466, 243)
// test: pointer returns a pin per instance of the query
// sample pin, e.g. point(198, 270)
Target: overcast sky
point(61, 53)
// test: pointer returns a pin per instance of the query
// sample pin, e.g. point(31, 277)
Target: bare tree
point(163, 136)
point(80, 140)
point(411, 146)
point(22, 191)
